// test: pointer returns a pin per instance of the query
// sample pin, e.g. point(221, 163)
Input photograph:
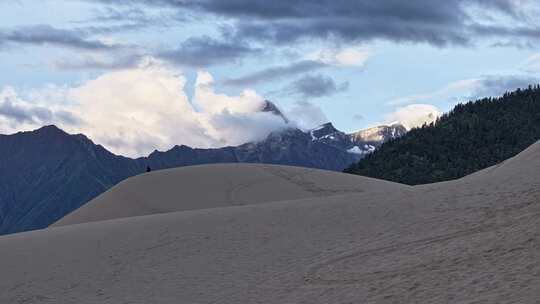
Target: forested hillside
point(472, 136)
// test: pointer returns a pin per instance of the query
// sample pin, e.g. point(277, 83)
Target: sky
point(140, 75)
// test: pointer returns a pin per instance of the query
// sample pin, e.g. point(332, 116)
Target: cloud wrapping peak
point(307, 115)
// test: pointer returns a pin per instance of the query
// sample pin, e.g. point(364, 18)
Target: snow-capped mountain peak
point(380, 133)
point(324, 131)
point(358, 143)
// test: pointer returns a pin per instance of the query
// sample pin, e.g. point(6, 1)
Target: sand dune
point(222, 185)
point(473, 240)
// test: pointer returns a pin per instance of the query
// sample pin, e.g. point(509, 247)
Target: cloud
point(21, 114)
point(436, 23)
point(194, 52)
point(233, 120)
point(322, 58)
point(100, 61)
point(211, 102)
point(16, 112)
point(306, 115)
point(358, 117)
point(313, 86)
point(532, 64)
point(489, 86)
point(524, 45)
point(48, 35)
point(342, 57)
point(205, 51)
point(132, 15)
point(472, 89)
point(439, 23)
point(275, 73)
point(414, 115)
point(88, 52)
point(134, 111)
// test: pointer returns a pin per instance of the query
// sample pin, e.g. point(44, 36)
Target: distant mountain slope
point(287, 147)
point(471, 137)
point(48, 173)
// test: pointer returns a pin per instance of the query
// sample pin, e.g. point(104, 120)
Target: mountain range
point(47, 173)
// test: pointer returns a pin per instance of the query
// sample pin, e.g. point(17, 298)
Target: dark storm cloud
point(196, 51)
point(280, 22)
point(48, 35)
point(439, 23)
point(206, 51)
point(112, 56)
point(313, 86)
point(276, 73)
point(284, 21)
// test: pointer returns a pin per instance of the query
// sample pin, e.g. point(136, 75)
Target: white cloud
point(17, 113)
point(470, 89)
point(532, 64)
point(452, 92)
point(134, 111)
point(212, 102)
point(306, 115)
point(414, 115)
point(351, 56)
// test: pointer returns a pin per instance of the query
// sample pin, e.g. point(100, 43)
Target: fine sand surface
point(336, 239)
point(222, 185)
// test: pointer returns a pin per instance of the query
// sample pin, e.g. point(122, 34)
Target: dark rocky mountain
point(296, 148)
point(48, 173)
point(329, 135)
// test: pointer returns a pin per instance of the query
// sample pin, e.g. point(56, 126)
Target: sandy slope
point(223, 185)
point(474, 240)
